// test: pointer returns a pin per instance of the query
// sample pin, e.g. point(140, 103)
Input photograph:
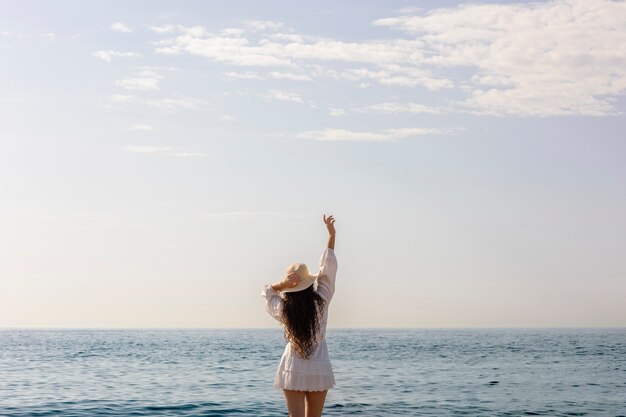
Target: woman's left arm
point(272, 301)
point(272, 297)
point(289, 281)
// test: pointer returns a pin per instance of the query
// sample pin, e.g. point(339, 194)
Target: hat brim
point(303, 284)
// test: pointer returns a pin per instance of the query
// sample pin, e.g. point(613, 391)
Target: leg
point(315, 403)
point(295, 403)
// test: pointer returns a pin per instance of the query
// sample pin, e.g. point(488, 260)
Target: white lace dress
point(314, 373)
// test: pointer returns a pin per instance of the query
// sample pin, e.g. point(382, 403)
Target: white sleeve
point(272, 301)
point(327, 275)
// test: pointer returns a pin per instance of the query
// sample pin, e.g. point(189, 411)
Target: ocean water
point(475, 372)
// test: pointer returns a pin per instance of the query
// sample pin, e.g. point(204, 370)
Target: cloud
point(163, 28)
point(108, 55)
point(410, 9)
point(120, 27)
point(226, 49)
point(162, 150)
point(395, 108)
point(226, 118)
point(122, 98)
point(289, 76)
point(276, 75)
point(393, 60)
point(529, 59)
point(336, 112)
point(248, 75)
point(395, 75)
point(148, 149)
point(385, 135)
point(249, 215)
point(145, 80)
point(143, 128)
point(232, 31)
point(283, 96)
point(264, 24)
point(178, 103)
point(168, 104)
point(187, 154)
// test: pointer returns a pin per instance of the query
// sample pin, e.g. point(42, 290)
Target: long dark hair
point(300, 313)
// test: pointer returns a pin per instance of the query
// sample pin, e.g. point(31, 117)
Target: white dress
point(315, 373)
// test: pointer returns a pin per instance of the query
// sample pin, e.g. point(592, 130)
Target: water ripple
point(522, 372)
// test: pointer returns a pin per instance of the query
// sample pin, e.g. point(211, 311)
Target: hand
point(290, 281)
point(330, 224)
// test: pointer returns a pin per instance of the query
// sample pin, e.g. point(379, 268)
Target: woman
point(305, 372)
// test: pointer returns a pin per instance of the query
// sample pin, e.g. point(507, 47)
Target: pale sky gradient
point(161, 161)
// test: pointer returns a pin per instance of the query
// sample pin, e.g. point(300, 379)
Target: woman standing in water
point(305, 373)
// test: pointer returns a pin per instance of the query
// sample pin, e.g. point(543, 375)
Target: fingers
point(293, 279)
point(330, 219)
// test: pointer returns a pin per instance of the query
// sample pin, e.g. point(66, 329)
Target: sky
point(161, 161)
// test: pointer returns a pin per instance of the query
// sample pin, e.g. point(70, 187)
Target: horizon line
point(330, 328)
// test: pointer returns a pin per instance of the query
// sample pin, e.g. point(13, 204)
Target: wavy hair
point(300, 316)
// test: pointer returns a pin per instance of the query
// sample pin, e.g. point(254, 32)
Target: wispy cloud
point(247, 75)
point(524, 64)
point(145, 80)
point(109, 54)
point(178, 103)
point(121, 27)
point(187, 154)
point(163, 150)
point(264, 24)
point(148, 149)
point(395, 108)
point(163, 28)
point(483, 59)
point(6, 32)
point(249, 215)
point(142, 128)
point(281, 95)
point(276, 75)
point(167, 104)
point(122, 98)
point(386, 135)
point(394, 60)
point(394, 75)
point(336, 112)
point(232, 31)
point(289, 76)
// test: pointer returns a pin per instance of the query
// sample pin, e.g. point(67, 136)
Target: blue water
point(565, 372)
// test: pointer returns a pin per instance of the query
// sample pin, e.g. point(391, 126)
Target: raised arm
point(328, 263)
point(330, 225)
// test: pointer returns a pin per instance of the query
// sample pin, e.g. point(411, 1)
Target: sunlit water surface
point(476, 372)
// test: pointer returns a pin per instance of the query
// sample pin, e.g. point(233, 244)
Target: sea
point(379, 372)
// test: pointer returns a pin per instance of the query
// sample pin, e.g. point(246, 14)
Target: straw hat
point(306, 279)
